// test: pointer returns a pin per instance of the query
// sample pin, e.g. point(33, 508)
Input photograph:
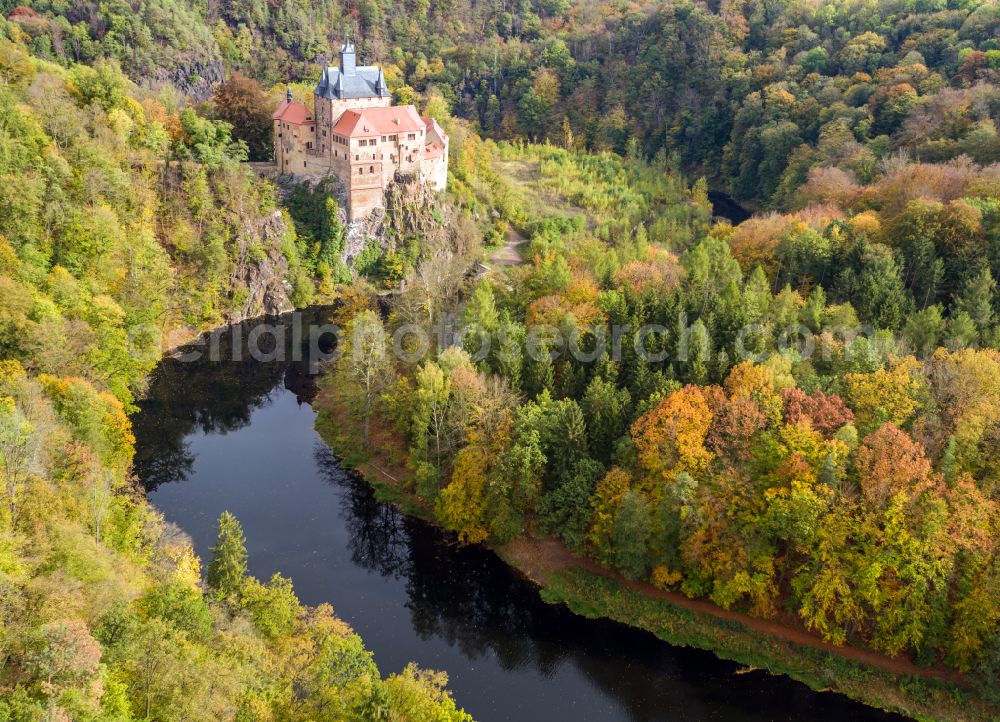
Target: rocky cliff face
point(411, 209)
point(195, 77)
point(258, 282)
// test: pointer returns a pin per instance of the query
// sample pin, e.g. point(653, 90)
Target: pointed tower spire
point(348, 60)
point(380, 86)
point(288, 94)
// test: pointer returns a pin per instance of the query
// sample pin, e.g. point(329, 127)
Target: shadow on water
point(725, 206)
point(192, 392)
point(239, 436)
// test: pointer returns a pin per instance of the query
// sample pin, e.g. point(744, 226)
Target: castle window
point(357, 157)
point(411, 136)
point(371, 169)
point(304, 164)
point(383, 139)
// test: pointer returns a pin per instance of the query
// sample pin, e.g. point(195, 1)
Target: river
point(239, 436)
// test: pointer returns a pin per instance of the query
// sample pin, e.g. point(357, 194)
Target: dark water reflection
point(239, 436)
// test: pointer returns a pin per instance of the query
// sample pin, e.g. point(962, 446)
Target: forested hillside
point(789, 436)
point(753, 95)
point(808, 433)
point(127, 224)
point(121, 222)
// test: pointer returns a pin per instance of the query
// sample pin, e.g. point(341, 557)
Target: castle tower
point(348, 60)
point(348, 86)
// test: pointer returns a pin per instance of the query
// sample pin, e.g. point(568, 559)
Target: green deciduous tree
point(366, 366)
point(17, 448)
point(630, 538)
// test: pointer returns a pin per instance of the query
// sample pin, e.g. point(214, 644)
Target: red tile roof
point(294, 113)
point(433, 124)
point(433, 150)
point(379, 121)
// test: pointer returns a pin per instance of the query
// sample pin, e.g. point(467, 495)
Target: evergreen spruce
point(228, 567)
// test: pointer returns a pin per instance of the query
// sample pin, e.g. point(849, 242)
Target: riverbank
point(890, 683)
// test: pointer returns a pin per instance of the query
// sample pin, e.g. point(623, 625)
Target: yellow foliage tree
point(671, 436)
point(757, 382)
point(461, 505)
point(605, 502)
point(887, 395)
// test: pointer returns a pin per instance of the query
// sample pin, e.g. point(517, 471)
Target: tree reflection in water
point(378, 537)
point(469, 598)
point(186, 394)
point(415, 592)
point(464, 595)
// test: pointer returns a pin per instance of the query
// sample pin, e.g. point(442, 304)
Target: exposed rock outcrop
point(411, 210)
point(259, 276)
point(194, 76)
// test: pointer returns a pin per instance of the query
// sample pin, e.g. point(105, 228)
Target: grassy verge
point(593, 595)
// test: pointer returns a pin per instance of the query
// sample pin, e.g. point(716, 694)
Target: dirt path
point(540, 558)
point(508, 254)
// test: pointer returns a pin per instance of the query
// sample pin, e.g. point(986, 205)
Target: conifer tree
point(976, 299)
point(228, 567)
point(699, 353)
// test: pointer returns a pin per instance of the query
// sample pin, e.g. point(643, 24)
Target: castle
point(357, 135)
